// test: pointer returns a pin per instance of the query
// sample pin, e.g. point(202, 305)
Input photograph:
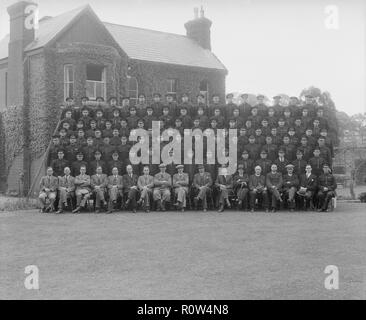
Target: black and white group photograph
point(200, 150)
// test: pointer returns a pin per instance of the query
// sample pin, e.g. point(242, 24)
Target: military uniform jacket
point(145, 181)
point(99, 180)
point(162, 180)
point(183, 180)
point(115, 181)
point(274, 179)
point(281, 165)
point(299, 166)
point(49, 182)
point(82, 182)
point(265, 164)
point(317, 164)
point(75, 167)
point(67, 182)
point(202, 180)
point(327, 181)
point(290, 181)
point(129, 182)
point(58, 166)
point(248, 165)
point(309, 182)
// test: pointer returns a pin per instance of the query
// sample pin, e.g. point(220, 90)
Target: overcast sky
point(268, 46)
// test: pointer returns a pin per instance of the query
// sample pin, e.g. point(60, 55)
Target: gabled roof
point(157, 46)
point(48, 29)
point(139, 44)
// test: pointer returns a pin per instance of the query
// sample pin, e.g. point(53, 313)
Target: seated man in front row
point(66, 188)
point(99, 183)
point(130, 189)
point(162, 184)
point(258, 189)
point(145, 184)
point(115, 187)
point(327, 186)
point(83, 189)
point(202, 183)
point(180, 184)
point(241, 181)
point(48, 189)
point(290, 185)
point(224, 182)
point(308, 186)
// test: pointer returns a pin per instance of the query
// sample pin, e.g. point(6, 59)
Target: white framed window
point(133, 89)
point(68, 81)
point(204, 90)
point(171, 87)
point(95, 81)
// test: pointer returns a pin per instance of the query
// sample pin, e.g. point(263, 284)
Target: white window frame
point(68, 82)
point(171, 90)
point(94, 83)
point(205, 92)
point(133, 94)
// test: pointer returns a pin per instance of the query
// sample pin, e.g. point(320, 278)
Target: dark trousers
point(324, 197)
point(242, 195)
point(132, 196)
point(261, 196)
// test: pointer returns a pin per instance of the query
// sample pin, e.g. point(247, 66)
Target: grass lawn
point(191, 255)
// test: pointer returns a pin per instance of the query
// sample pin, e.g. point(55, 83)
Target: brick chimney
point(198, 29)
point(23, 19)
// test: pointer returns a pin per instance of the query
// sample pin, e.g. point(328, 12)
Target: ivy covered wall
point(152, 78)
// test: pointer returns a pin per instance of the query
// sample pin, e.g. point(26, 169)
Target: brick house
point(77, 54)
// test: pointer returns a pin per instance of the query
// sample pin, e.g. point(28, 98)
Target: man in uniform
point(97, 162)
point(59, 164)
point(277, 105)
point(82, 184)
point(245, 107)
point(66, 188)
point(290, 185)
point(261, 106)
point(180, 185)
point(162, 185)
point(157, 105)
point(130, 188)
point(99, 184)
point(299, 164)
point(230, 105)
point(76, 165)
point(145, 184)
point(48, 188)
point(171, 104)
point(281, 162)
point(327, 186)
point(202, 183)
point(264, 163)
point(317, 162)
point(141, 106)
point(115, 187)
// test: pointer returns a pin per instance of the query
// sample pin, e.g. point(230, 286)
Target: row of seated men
point(131, 191)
